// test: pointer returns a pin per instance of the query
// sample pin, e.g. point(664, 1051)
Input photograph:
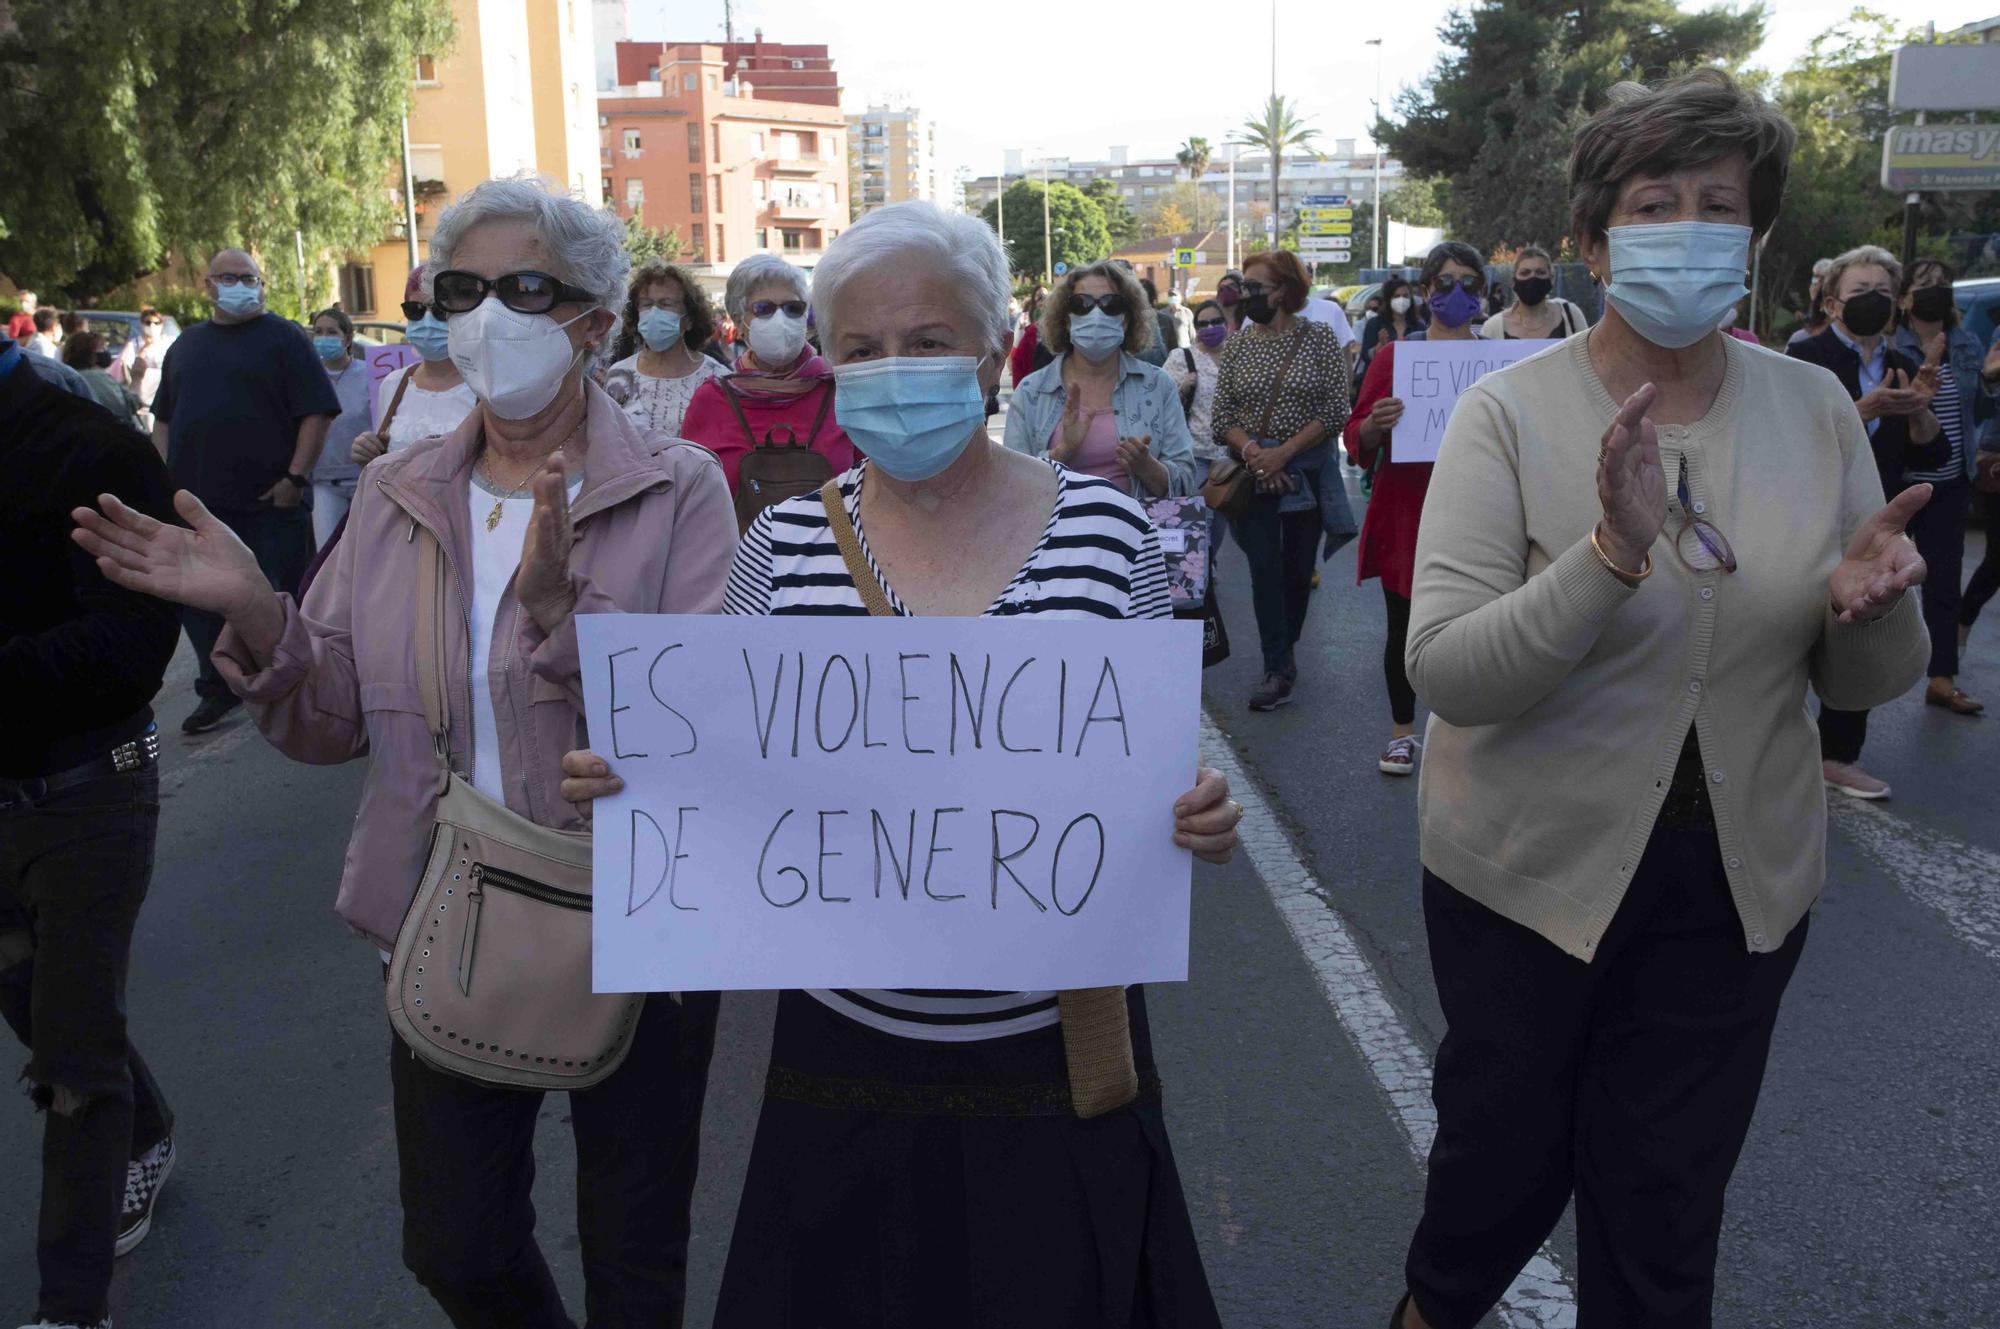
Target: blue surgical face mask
point(659, 328)
point(430, 336)
point(239, 299)
point(1096, 335)
point(912, 415)
point(329, 348)
point(1674, 281)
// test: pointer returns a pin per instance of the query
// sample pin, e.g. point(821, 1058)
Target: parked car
point(1978, 300)
point(377, 332)
point(117, 326)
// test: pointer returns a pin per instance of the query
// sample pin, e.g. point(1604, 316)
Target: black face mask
point(103, 359)
point(1931, 303)
point(1260, 309)
point(1867, 314)
point(1533, 290)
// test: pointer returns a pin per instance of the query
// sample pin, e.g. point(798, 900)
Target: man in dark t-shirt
point(241, 414)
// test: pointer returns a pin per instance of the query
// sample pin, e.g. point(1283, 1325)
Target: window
point(793, 241)
point(635, 192)
point(607, 186)
point(427, 69)
point(357, 288)
point(757, 143)
point(631, 143)
point(788, 147)
point(763, 238)
point(714, 82)
point(760, 190)
point(694, 144)
point(697, 238)
point(652, 73)
point(798, 64)
point(833, 194)
point(688, 83)
point(694, 192)
point(715, 141)
point(721, 253)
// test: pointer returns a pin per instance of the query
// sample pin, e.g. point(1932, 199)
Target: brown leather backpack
point(773, 470)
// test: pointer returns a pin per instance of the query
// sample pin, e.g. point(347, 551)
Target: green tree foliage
point(1418, 200)
point(1181, 207)
point(1079, 234)
point(647, 245)
point(1193, 157)
point(1516, 191)
point(1276, 131)
point(1584, 46)
point(139, 127)
point(1118, 218)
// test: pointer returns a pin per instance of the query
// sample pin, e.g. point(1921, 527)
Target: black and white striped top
point(1098, 557)
point(1951, 418)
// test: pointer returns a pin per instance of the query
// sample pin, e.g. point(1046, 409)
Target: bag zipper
point(482, 875)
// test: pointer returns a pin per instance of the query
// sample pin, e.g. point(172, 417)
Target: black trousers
point(466, 1154)
point(74, 868)
point(1985, 578)
point(282, 540)
point(1939, 534)
point(1628, 1081)
point(1402, 697)
point(1280, 548)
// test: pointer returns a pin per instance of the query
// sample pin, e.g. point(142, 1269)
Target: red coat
point(21, 327)
point(710, 421)
point(1396, 504)
point(1022, 361)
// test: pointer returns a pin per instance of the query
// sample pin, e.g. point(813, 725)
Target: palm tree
point(1278, 129)
point(1193, 157)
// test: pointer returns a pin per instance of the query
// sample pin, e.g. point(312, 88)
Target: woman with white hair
point(919, 1159)
point(527, 279)
point(781, 394)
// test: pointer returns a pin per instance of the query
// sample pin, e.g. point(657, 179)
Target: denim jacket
point(1145, 401)
point(1963, 356)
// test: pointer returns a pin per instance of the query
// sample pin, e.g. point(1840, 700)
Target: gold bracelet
point(1631, 579)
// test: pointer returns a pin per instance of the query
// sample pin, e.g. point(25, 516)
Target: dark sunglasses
point(416, 309)
point(460, 292)
point(766, 308)
point(1445, 281)
point(1211, 323)
point(1113, 304)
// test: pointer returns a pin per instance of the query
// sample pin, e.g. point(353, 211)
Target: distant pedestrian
point(1637, 552)
point(1404, 314)
point(79, 806)
point(86, 354)
point(1985, 579)
point(422, 400)
point(1196, 371)
point(657, 361)
point(1816, 317)
point(1155, 352)
point(1229, 294)
point(1534, 313)
point(47, 340)
point(21, 323)
point(140, 360)
point(241, 416)
point(1029, 354)
point(336, 474)
point(1183, 320)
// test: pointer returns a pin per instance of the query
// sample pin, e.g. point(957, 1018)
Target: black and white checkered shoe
point(143, 1180)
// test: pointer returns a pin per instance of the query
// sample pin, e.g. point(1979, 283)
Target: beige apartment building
point(892, 157)
point(515, 93)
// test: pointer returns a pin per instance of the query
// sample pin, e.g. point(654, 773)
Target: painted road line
point(1959, 880)
point(1541, 1297)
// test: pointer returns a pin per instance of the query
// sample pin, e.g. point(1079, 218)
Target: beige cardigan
point(1560, 698)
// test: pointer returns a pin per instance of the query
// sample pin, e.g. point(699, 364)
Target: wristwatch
point(299, 482)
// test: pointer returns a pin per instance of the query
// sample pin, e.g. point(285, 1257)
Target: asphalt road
point(1292, 1059)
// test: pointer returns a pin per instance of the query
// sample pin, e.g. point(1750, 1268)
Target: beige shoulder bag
point(491, 975)
point(1096, 1026)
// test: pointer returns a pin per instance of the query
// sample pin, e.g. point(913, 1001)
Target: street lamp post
point(1000, 204)
point(1048, 239)
point(1232, 145)
point(1375, 131)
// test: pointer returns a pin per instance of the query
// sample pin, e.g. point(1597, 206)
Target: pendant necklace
point(500, 504)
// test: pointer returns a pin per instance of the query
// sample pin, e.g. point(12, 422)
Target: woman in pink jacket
point(528, 281)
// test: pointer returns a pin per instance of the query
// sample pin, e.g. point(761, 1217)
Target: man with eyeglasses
point(241, 414)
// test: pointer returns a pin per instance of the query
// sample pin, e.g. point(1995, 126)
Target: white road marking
point(1959, 880)
point(1541, 1297)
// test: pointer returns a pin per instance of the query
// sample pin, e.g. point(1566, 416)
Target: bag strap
point(866, 583)
point(430, 642)
point(1284, 368)
point(735, 405)
point(819, 417)
point(1187, 358)
point(389, 416)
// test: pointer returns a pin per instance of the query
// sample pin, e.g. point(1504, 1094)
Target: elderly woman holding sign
point(1638, 549)
point(1453, 280)
point(924, 1158)
point(480, 536)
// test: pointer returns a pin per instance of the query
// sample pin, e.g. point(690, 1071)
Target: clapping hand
point(1932, 373)
point(202, 565)
point(1074, 423)
point(1897, 394)
point(1881, 561)
point(543, 584)
point(1631, 483)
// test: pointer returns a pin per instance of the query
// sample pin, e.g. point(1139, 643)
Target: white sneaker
point(1400, 757)
point(143, 1179)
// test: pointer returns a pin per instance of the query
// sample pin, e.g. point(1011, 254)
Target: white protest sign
point(382, 362)
point(1428, 378)
point(907, 803)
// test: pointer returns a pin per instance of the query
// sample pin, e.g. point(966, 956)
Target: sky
point(1077, 77)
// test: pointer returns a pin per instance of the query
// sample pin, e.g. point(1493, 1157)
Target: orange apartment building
point(739, 147)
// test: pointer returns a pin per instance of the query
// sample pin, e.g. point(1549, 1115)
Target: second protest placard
point(910, 803)
point(1428, 377)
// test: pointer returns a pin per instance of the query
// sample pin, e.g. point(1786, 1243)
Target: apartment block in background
point(892, 157)
point(515, 93)
point(739, 147)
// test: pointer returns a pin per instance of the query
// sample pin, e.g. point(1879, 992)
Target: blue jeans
point(1280, 547)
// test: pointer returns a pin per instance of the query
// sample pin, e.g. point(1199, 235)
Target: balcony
point(795, 210)
point(800, 166)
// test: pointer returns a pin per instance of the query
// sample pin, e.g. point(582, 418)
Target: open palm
point(202, 565)
point(1881, 561)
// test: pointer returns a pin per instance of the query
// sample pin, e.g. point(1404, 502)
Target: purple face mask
point(1212, 334)
point(1455, 308)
